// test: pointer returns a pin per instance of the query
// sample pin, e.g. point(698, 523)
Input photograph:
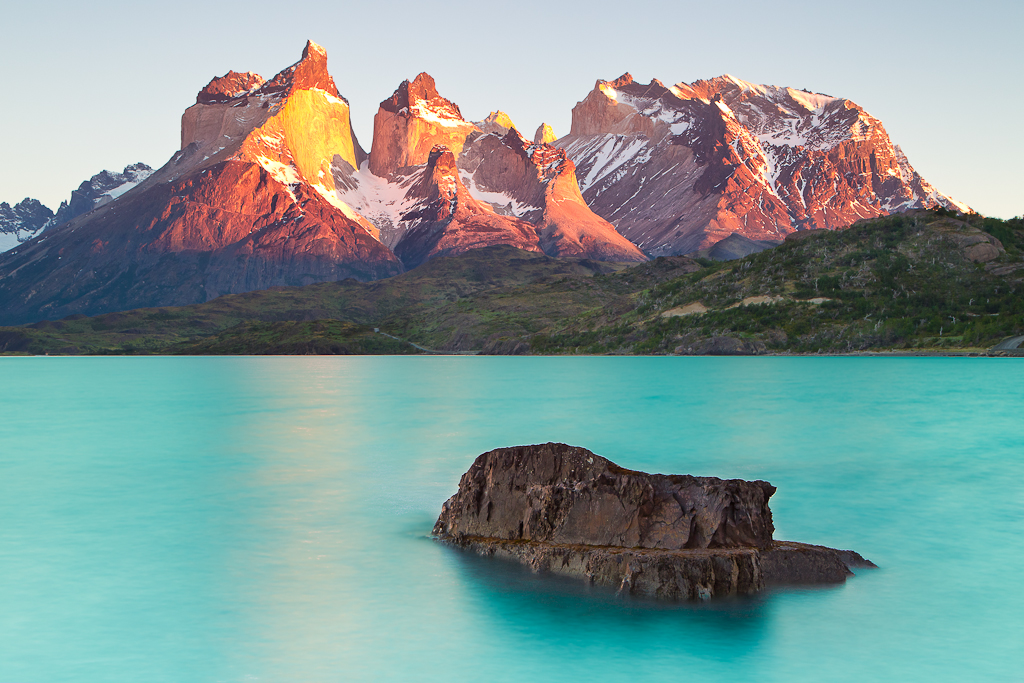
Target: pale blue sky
point(103, 84)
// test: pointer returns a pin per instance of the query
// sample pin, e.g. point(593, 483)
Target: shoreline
point(1002, 353)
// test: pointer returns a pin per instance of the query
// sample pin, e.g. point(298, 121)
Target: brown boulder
point(555, 493)
point(563, 510)
point(982, 253)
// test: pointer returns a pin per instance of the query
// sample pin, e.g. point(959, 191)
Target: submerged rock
point(566, 510)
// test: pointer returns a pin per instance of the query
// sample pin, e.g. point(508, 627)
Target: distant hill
point(924, 280)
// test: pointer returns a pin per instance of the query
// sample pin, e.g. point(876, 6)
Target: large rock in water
point(562, 494)
point(566, 510)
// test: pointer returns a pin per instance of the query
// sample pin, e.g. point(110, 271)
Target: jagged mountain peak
point(294, 126)
point(624, 79)
point(734, 156)
point(230, 85)
point(733, 90)
point(545, 134)
point(419, 97)
point(28, 207)
point(446, 219)
point(411, 122)
point(548, 159)
point(313, 48)
point(537, 183)
point(22, 222)
point(441, 163)
point(496, 122)
point(632, 89)
point(612, 107)
point(513, 138)
point(308, 73)
point(100, 189)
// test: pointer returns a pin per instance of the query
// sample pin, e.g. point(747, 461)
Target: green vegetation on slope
point(900, 282)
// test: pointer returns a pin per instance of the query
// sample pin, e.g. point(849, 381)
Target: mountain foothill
point(270, 187)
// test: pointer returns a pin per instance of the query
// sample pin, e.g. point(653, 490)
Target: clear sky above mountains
point(103, 84)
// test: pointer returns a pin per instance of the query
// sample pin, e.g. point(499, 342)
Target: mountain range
point(270, 187)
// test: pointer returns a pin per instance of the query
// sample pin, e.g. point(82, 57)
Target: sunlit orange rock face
point(678, 168)
point(411, 122)
point(545, 135)
point(540, 183)
point(230, 85)
point(446, 220)
point(296, 126)
point(496, 122)
point(249, 202)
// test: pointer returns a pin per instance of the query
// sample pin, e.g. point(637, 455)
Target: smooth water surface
point(267, 519)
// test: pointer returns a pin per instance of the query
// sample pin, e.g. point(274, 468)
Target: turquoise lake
point(268, 519)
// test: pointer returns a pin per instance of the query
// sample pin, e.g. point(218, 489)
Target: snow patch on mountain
point(133, 179)
point(608, 154)
point(381, 202)
point(441, 115)
point(102, 188)
point(286, 174)
point(502, 202)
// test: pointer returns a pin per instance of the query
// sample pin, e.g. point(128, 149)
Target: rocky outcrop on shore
point(565, 510)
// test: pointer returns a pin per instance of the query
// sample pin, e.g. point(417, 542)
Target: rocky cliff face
point(533, 183)
point(539, 185)
point(445, 220)
point(249, 202)
point(565, 510)
point(680, 168)
point(411, 122)
point(296, 126)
